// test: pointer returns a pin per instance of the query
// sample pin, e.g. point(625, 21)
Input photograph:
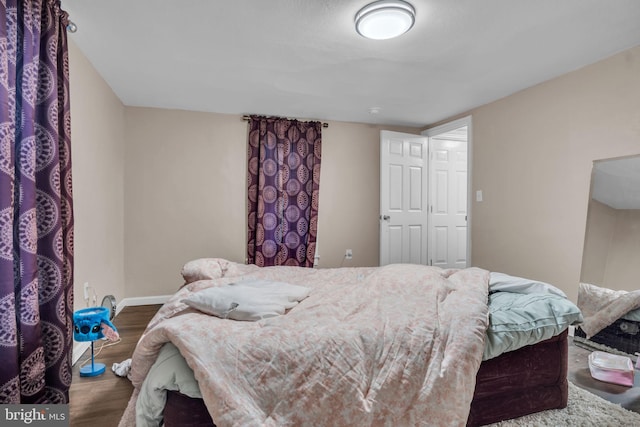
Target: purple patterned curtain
point(36, 220)
point(283, 184)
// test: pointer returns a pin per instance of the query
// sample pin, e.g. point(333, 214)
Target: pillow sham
point(202, 269)
point(517, 320)
point(501, 282)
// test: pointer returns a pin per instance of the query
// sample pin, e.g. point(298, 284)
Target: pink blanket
point(397, 345)
point(601, 306)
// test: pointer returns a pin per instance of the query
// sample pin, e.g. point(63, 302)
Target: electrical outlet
point(86, 291)
point(348, 254)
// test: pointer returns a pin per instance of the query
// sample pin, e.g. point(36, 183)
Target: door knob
point(385, 217)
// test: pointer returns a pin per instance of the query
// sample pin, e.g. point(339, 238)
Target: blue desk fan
point(87, 326)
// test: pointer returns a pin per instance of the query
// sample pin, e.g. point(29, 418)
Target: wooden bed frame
point(521, 382)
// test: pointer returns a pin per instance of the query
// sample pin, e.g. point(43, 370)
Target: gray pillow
point(501, 282)
point(517, 320)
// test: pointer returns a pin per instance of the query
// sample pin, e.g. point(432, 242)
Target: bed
point(393, 345)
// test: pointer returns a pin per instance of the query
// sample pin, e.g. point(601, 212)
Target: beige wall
point(601, 224)
point(350, 194)
point(185, 194)
point(532, 157)
point(612, 247)
point(97, 132)
point(184, 175)
point(623, 261)
point(155, 188)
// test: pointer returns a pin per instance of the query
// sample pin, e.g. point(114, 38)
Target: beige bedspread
point(398, 345)
point(601, 306)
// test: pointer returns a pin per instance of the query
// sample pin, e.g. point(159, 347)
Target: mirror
point(611, 256)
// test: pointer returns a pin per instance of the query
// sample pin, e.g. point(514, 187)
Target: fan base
point(92, 371)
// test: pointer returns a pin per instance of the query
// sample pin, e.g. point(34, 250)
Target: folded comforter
point(395, 345)
point(601, 306)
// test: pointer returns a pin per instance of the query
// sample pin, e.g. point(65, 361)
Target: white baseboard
point(134, 301)
point(78, 350)
point(80, 347)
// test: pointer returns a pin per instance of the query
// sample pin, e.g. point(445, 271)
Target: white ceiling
point(616, 182)
point(304, 59)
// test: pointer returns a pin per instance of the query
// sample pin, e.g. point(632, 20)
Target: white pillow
point(249, 300)
point(500, 282)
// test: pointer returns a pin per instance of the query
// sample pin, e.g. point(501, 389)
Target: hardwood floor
point(101, 401)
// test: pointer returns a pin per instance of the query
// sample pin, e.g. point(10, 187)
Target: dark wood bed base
point(521, 382)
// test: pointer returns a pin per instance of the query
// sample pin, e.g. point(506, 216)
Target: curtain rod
point(246, 118)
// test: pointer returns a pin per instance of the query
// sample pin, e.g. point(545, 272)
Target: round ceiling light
point(385, 19)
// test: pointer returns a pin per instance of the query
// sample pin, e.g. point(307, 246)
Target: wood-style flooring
point(101, 401)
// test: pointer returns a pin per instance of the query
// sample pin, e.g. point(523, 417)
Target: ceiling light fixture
point(385, 19)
